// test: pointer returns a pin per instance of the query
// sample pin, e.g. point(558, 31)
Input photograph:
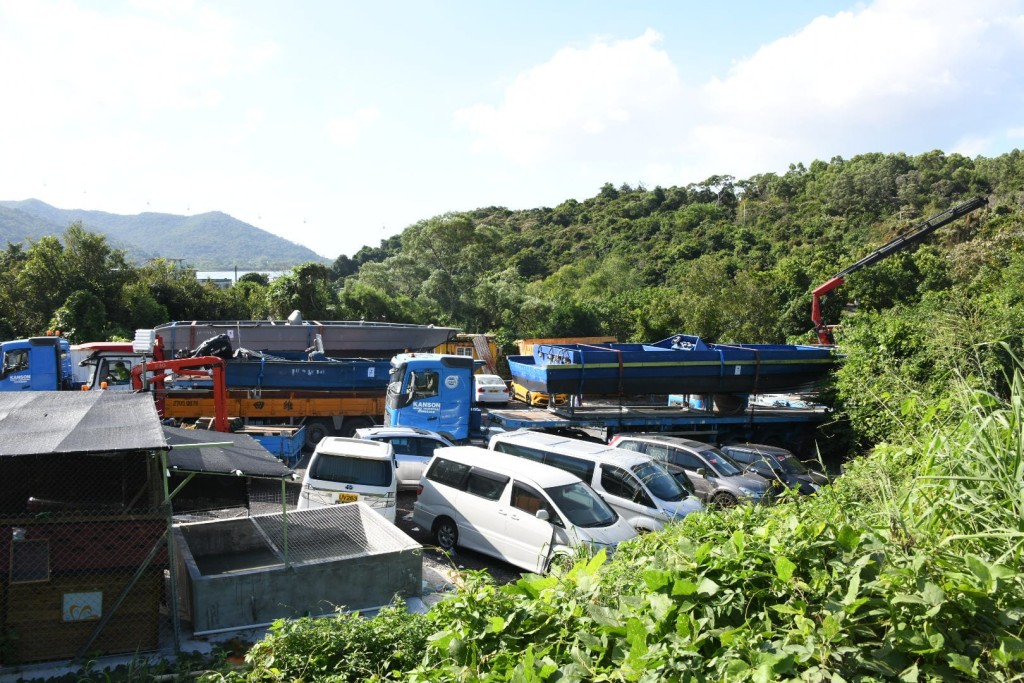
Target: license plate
point(348, 497)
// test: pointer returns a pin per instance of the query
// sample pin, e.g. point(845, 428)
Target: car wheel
point(446, 534)
point(723, 500)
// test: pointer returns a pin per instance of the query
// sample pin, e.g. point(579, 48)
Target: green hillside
point(209, 241)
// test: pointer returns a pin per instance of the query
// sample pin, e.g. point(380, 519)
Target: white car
point(490, 389)
point(413, 449)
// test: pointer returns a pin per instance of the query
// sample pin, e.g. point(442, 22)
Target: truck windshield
point(581, 505)
point(659, 481)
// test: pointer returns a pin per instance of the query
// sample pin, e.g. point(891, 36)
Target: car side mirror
point(701, 472)
point(543, 515)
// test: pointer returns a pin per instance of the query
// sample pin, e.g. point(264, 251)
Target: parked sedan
point(490, 389)
point(413, 449)
point(717, 480)
point(772, 462)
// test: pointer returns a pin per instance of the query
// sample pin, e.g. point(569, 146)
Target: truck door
point(15, 374)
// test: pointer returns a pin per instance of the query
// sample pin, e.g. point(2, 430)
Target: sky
point(337, 124)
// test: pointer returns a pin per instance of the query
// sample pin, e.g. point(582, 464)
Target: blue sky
point(337, 124)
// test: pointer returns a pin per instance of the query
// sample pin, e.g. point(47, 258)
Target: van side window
point(449, 473)
point(638, 446)
point(529, 500)
point(619, 482)
point(486, 484)
point(686, 460)
point(658, 452)
point(521, 451)
point(583, 469)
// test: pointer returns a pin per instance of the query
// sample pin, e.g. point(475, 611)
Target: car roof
point(757, 448)
point(673, 440)
point(370, 432)
point(509, 465)
point(569, 446)
point(359, 448)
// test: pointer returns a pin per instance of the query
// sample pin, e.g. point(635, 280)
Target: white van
point(524, 513)
point(640, 489)
point(344, 470)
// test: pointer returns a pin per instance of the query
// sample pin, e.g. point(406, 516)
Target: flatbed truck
point(433, 391)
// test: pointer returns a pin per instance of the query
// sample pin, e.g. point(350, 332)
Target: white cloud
point(900, 75)
point(579, 100)
point(347, 131)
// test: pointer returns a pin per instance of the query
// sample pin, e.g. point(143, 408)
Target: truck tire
point(352, 424)
point(316, 430)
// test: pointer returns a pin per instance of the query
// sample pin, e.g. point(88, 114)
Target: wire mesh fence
point(83, 537)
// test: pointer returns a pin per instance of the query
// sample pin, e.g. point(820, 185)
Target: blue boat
point(681, 364)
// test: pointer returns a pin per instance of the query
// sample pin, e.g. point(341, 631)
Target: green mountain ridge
point(207, 241)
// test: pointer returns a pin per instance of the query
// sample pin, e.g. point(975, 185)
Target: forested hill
point(208, 241)
point(729, 259)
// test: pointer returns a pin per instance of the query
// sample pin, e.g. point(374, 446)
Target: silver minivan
point(718, 480)
point(345, 470)
point(524, 513)
point(639, 488)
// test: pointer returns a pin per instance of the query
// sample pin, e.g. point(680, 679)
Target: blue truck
point(36, 364)
point(434, 392)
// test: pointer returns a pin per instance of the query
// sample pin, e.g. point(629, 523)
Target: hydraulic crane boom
point(901, 242)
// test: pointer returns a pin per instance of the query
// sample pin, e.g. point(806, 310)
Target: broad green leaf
point(848, 538)
point(784, 568)
point(708, 587)
point(682, 587)
point(497, 624)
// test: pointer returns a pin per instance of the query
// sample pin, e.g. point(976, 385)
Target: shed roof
point(44, 422)
point(245, 454)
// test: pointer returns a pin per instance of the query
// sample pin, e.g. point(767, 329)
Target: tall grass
point(908, 567)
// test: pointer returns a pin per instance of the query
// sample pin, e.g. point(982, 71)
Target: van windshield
point(662, 484)
point(581, 505)
point(347, 470)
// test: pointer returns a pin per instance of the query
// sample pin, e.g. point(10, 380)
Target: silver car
point(716, 478)
point(413, 449)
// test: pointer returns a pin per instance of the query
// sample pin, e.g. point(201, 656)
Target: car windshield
point(581, 505)
point(659, 481)
point(722, 463)
point(789, 463)
point(489, 381)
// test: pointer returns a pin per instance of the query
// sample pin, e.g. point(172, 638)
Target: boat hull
point(340, 338)
point(686, 365)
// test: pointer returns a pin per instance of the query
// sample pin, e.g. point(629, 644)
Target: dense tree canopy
point(732, 260)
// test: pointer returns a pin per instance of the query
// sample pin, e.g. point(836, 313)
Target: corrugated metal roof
point(245, 454)
point(41, 422)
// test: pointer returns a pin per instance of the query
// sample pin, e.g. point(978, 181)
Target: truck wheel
point(316, 430)
point(351, 425)
point(446, 534)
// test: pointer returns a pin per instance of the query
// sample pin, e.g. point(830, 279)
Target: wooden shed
point(82, 524)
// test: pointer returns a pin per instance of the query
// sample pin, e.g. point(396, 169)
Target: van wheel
point(446, 534)
point(723, 500)
point(563, 561)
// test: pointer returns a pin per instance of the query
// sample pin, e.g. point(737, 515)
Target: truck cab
point(36, 364)
point(104, 365)
point(432, 391)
